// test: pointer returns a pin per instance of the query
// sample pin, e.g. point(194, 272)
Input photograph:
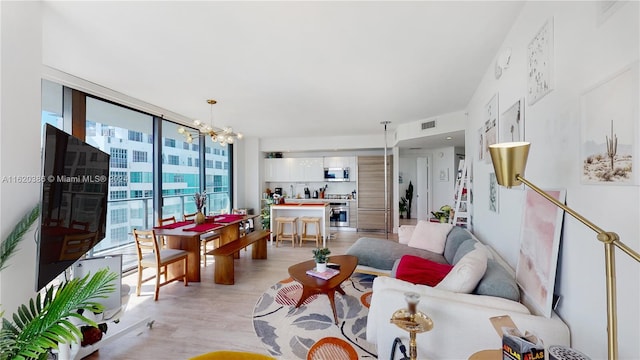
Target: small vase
point(321, 267)
point(200, 218)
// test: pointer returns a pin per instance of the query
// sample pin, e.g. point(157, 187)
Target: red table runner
point(228, 218)
point(203, 227)
point(174, 225)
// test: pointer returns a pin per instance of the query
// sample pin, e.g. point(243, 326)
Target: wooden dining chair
point(151, 256)
point(163, 222)
point(205, 239)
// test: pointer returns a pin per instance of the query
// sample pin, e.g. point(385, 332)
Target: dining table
point(185, 235)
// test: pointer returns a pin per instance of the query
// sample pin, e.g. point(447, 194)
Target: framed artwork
point(512, 123)
point(540, 63)
point(539, 246)
point(609, 130)
point(493, 193)
point(490, 126)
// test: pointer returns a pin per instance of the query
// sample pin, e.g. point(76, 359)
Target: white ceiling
point(281, 69)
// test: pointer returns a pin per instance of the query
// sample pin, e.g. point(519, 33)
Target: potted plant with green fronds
point(45, 323)
point(321, 256)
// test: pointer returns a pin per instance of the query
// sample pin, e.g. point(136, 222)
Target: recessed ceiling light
point(448, 138)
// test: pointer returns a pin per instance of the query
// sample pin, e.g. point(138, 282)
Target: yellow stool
point(231, 355)
point(281, 222)
point(306, 220)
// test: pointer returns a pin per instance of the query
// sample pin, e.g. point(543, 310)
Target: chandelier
point(223, 136)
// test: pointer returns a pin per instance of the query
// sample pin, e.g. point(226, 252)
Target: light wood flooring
point(205, 316)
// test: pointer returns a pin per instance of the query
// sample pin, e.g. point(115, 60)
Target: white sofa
point(462, 323)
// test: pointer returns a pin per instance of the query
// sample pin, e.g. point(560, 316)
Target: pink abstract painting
point(540, 240)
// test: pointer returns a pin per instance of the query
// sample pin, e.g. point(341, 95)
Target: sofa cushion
point(456, 236)
point(497, 281)
point(464, 248)
point(404, 233)
point(467, 271)
point(382, 253)
point(417, 270)
point(430, 236)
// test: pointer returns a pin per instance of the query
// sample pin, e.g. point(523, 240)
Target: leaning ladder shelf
point(461, 215)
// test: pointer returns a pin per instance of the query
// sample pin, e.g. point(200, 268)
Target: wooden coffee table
point(312, 285)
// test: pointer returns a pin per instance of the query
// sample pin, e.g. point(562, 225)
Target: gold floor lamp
point(509, 161)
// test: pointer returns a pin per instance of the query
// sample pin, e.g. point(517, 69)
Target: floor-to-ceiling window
point(126, 135)
point(217, 176)
point(180, 171)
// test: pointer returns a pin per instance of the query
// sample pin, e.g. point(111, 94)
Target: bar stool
point(281, 222)
point(306, 220)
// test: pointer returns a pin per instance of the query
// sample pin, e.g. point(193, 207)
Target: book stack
point(325, 275)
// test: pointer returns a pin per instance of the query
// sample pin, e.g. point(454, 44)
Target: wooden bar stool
point(306, 221)
point(281, 222)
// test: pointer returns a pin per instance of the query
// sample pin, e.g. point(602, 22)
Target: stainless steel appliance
point(339, 214)
point(336, 174)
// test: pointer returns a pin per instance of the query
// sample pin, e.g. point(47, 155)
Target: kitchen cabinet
point(293, 170)
point(306, 170)
point(276, 170)
point(353, 214)
point(371, 192)
point(340, 162)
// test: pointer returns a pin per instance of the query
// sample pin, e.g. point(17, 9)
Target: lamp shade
point(509, 160)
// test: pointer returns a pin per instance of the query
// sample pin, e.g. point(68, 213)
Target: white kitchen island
point(319, 209)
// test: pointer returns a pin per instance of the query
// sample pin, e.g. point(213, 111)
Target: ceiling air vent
point(428, 125)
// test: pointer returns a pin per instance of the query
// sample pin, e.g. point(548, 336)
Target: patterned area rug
point(291, 333)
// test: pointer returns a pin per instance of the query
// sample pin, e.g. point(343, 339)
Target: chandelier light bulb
point(223, 135)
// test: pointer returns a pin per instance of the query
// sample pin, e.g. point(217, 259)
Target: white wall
point(21, 60)
point(586, 52)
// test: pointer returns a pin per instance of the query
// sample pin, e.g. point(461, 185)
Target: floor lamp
point(386, 185)
point(509, 161)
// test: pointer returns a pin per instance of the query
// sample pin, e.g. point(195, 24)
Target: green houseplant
point(321, 257)
point(402, 207)
point(40, 326)
point(408, 195)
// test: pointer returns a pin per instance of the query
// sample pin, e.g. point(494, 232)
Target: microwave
point(336, 174)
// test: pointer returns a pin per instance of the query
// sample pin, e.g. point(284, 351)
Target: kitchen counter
point(300, 209)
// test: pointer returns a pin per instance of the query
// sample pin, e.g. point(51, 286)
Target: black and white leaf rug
point(290, 333)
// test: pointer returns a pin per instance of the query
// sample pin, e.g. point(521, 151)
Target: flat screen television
point(74, 195)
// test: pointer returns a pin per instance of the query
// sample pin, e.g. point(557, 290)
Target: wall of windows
point(128, 136)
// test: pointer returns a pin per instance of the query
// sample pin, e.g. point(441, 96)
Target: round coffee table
point(312, 285)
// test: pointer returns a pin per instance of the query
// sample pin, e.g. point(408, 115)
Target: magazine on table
point(325, 275)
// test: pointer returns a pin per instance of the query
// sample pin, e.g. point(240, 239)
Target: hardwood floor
point(205, 316)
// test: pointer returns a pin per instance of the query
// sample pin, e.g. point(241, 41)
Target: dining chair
point(205, 238)
point(163, 222)
point(151, 256)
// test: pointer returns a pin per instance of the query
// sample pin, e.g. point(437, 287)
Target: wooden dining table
point(186, 235)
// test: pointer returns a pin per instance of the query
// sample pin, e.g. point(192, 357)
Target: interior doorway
point(423, 187)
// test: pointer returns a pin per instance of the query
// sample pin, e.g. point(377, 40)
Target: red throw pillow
point(422, 271)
